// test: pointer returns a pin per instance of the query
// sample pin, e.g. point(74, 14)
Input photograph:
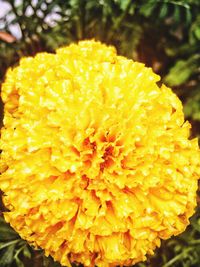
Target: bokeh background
point(164, 34)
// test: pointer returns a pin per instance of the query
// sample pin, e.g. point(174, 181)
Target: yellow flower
point(97, 164)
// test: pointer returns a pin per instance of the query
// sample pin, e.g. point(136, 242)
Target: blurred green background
point(164, 34)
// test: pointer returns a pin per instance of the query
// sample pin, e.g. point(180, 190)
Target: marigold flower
point(97, 164)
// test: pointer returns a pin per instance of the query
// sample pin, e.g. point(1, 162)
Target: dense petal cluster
point(97, 165)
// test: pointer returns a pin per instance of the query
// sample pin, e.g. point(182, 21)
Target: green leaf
point(7, 244)
point(7, 233)
point(19, 262)
point(177, 14)
point(197, 32)
point(182, 71)
point(188, 16)
point(192, 110)
point(7, 256)
point(148, 8)
point(163, 11)
point(26, 252)
point(178, 74)
point(123, 4)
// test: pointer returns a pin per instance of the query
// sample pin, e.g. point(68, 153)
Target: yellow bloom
point(97, 164)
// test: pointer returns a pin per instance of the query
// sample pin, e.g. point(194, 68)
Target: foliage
point(12, 247)
point(164, 34)
point(182, 250)
point(14, 251)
